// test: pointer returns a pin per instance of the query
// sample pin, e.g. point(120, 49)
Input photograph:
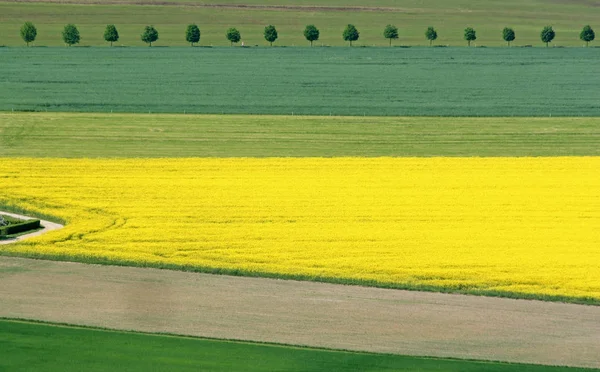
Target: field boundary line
point(308, 8)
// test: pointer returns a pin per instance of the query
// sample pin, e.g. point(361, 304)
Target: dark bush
point(20, 227)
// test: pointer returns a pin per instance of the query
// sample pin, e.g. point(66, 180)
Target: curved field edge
point(107, 221)
point(13, 208)
point(298, 277)
point(187, 352)
point(95, 260)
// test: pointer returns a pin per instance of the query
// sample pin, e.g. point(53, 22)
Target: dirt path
point(305, 8)
point(47, 225)
point(316, 314)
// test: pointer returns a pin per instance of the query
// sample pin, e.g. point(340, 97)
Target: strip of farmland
point(72, 135)
point(325, 315)
point(302, 81)
point(488, 17)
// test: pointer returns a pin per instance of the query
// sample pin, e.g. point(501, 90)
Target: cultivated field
point(444, 168)
point(66, 348)
point(302, 313)
point(450, 17)
point(521, 227)
point(68, 135)
point(325, 81)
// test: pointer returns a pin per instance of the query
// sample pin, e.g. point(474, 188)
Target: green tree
point(111, 34)
point(192, 34)
point(350, 34)
point(508, 34)
point(470, 35)
point(233, 35)
point(149, 35)
point(587, 35)
point(70, 35)
point(270, 34)
point(431, 35)
point(390, 32)
point(547, 35)
point(311, 33)
point(28, 32)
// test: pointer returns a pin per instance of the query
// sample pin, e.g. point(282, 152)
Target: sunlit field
point(519, 227)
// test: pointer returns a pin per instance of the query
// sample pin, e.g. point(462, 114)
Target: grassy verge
point(450, 17)
point(71, 135)
point(297, 81)
point(7, 207)
point(32, 346)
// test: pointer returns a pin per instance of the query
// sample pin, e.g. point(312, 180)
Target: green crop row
point(298, 81)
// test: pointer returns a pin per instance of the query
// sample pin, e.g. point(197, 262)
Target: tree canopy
point(233, 35)
point(470, 35)
point(350, 34)
point(111, 34)
point(71, 35)
point(547, 35)
point(311, 33)
point(587, 35)
point(192, 34)
point(390, 32)
point(28, 32)
point(431, 34)
point(270, 34)
point(150, 35)
point(508, 34)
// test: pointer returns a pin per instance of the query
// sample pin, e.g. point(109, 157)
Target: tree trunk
point(430, 42)
point(508, 43)
point(270, 42)
point(350, 42)
point(546, 44)
point(311, 43)
point(469, 42)
point(390, 42)
point(150, 44)
point(587, 43)
point(27, 43)
point(111, 43)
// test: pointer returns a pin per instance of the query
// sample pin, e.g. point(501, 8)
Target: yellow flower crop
point(529, 226)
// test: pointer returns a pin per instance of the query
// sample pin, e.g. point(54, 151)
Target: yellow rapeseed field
point(529, 226)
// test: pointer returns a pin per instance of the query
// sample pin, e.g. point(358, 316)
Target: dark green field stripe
point(149, 135)
point(318, 81)
point(32, 346)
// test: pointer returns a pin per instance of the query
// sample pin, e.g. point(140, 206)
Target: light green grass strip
point(32, 346)
point(144, 135)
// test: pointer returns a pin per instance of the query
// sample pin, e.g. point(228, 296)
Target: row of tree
point(71, 35)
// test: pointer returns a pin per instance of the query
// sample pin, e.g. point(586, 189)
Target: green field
point(75, 135)
point(300, 81)
point(412, 17)
point(27, 346)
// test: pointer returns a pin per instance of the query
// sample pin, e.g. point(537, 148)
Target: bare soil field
point(315, 314)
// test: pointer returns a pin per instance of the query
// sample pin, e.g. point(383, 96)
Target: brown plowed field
point(316, 314)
